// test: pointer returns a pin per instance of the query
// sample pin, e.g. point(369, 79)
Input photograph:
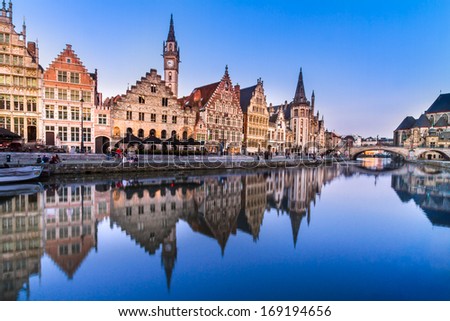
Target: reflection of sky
point(362, 243)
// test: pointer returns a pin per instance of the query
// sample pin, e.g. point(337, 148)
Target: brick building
point(219, 113)
point(69, 92)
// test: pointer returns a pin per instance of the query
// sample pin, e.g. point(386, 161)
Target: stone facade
point(69, 90)
point(279, 135)
point(256, 118)
point(308, 131)
point(149, 109)
point(20, 80)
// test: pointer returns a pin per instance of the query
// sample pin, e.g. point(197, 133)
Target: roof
point(423, 121)
point(246, 96)
point(407, 123)
point(441, 104)
point(273, 118)
point(442, 122)
point(201, 95)
point(286, 111)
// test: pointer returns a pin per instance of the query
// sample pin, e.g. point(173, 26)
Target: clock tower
point(171, 54)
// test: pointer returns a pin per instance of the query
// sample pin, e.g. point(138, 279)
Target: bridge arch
point(356, 151)
point(428, 154)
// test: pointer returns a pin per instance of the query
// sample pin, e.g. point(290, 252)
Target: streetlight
point(82, 116)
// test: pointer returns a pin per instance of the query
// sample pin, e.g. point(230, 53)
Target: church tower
point(171, 54)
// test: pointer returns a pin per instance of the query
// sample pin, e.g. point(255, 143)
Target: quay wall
point(72, 164)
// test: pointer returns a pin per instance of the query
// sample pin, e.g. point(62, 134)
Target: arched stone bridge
point(406, 153)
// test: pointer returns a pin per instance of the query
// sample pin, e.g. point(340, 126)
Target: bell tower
point(171, 54)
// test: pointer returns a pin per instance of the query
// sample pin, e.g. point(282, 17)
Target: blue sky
point(371, 63)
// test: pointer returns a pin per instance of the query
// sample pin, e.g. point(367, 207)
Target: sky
point(371, 63)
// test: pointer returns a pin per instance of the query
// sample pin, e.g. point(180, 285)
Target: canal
point(361, 231)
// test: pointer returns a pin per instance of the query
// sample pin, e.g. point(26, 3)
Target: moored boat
point(19, 174)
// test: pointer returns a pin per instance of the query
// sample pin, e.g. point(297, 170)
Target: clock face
point(170, 63)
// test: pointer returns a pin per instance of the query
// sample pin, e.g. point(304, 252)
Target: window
point(62, 112)
point(74, 95)
point(129, 115)
point(4, 38)
point(4, 59)
point(31, 82)
point(31, 104)
point(86, 114)
point(75, 113)
point(163, 134)
point(18, 103)
point(17, 60)
point(141, 116)
point(87, 97)
point(17, 81)
point(62, 76)
point(62, 133)
point(62, 94)
point(165, 102)
point(174, 119)
point(87, 137)
point(153, 118)
point(164, 119)
point(141, 100)
point(2, 102)
point(5, 80)
point(74, 78)
point(153, 88)
point(141, 133)
point(102, 119)
point(75, 134)
point(50, 93)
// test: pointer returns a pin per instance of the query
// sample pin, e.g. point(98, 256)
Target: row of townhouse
point(62, 106)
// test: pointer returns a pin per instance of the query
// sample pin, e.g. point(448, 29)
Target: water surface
point(329, 233)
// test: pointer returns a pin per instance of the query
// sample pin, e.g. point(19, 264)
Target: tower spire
point(300, 96)
point(171, 35)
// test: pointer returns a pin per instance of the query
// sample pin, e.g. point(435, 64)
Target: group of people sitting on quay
point(45, 159)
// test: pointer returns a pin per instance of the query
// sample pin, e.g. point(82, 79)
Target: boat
point(19, 174)
point(11, 190)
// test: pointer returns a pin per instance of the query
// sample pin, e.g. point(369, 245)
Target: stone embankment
point(94, 163)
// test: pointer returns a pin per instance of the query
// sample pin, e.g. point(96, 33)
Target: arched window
point(170, 76)
point(152, 133)
point(174, 134)
point(163, 134)
point(129, 130)
point(170, 47)
point(140, 133)
point(185, 135)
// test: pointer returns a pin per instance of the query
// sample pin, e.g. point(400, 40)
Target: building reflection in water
point(428, 188)
point(21, 242)
point(62, 220)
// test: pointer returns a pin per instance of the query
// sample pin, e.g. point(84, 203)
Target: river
point(361, 231)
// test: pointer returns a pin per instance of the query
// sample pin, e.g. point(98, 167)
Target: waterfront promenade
point(98, 163)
